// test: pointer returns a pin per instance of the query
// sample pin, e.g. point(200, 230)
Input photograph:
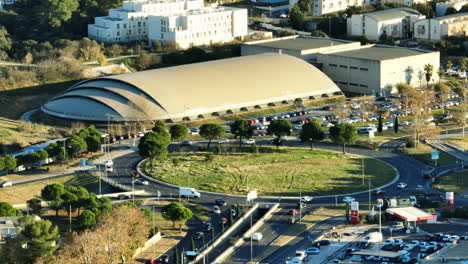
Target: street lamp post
point(379, 205)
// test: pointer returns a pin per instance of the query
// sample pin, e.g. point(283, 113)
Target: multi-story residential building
point(395, 22)
point(321, 7)
point(130, 22)
point(441, 8)
point(187, 23)
point(199, 27)
point(439, 27)
point(376, 69)
point(6, 2)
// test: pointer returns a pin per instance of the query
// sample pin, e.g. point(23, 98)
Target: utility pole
point(154, 233)
point(300, 202)
point(251, 240)
point(369, 197)
point(362, 170)
point(69, 226)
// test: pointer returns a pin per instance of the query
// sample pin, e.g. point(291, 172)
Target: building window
point(354, 68)
point(332, 65)
point(344, 83)
point(363, 85)
point(162, 36)
point(118, 33)
point(139, 24)
point(343, 66)
point(364, 69)
point(118, 26)
point(125, 25)
point(353, 84)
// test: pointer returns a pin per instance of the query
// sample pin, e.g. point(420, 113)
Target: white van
point(257, 236)
point(188, 192)
point(7, 184)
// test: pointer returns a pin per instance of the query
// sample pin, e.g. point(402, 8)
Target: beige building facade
point(440, 27)
point(376, 69)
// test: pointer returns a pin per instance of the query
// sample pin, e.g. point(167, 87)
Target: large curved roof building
point(193, 91)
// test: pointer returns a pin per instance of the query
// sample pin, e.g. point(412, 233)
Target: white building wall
point(441, 8)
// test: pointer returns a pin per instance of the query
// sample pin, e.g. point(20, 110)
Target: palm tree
point(428, 71)
point(441, 73)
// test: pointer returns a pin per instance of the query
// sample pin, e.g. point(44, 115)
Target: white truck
point(374, 237)
point(188, 192)
point(109, 164)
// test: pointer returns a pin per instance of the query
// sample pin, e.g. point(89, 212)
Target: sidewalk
point(111, 155)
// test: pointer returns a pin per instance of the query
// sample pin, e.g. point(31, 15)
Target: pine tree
point(395, 126)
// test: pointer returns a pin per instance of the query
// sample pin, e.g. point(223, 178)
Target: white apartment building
point(6, 2)
point(395, 22)
point(441, 8)
point(409, 3)
point(199, 27)
point(438, 27)
point(130, 22)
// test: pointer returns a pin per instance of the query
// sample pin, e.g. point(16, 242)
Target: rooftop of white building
point(203, 11)
point(299, 43)
point(393, 13)
point(463, 16)
point(379, 52)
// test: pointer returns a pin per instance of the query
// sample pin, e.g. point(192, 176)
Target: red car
point(293, 212)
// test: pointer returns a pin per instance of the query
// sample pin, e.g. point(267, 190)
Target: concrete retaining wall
point(247, 234)
point(224, 237)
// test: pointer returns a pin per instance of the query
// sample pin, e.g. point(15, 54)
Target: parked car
point(198, 235)
point(300, 255)
point(220, 202)
point(141, 182)
point(257, 236)
point(293, 212)
point(216, 209)
point(324, 242)
point(164, 259)
point(222, 141)
point(301, 205)
point(379, 192)
point(312, 251)
point(123, 196)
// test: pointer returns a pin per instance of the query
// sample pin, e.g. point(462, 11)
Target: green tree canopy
point(240, 128)
point(7, 210)
point(34, 206)
point(176, 212)
point(76, 145)
point(2, 164)
point(279, 128)
point(87, 219)
point(54, 12)
point(153, 145)
point(297, 17)
point(40, 236)
point(343, 134)
point(5, 41)
point(52, 194)
point(178, 132)
point(312, 132)
point(211, 131)
point(10, 162)
point(463, 9)
point(43, 155)
point(305, 6)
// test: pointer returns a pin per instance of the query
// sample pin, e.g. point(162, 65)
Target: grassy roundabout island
point(272, 172)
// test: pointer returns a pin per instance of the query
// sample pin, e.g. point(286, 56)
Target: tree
point(178, 132)
point(364, 39)
point(87, 219)
point(449, 64)
point(10, 162)
point(82, 197)
point(428, 72)
point(52, 194)
point(92, 143)
point(343, 134)
point(102, 60)
point(440, 73)
point(176, 212)
point(153, 145)
point(62, 155)
point(279, 128)
point(157, 46)
point(409, 94)
point(424, 9)
point(43, 155)
point(54, 12)
point(211, 131)
point(463, 9)
point(40, 237)
point(395, 125)
point(76, 145)
point(241, 129)
point(296, 17)
point(7, 210)
point(35, 206)
point(305, 6)
point(5, 41)
point(2, 164)
point(380, 126)
point(312, 132)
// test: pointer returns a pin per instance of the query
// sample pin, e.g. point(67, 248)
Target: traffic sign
point(252, 195)
point(435, 155)
point(159, 194)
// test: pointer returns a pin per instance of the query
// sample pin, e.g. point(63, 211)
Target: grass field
point(21, 193)
point(423, 154)
point(15, 134)
point(453, 182)
point(274, 172)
